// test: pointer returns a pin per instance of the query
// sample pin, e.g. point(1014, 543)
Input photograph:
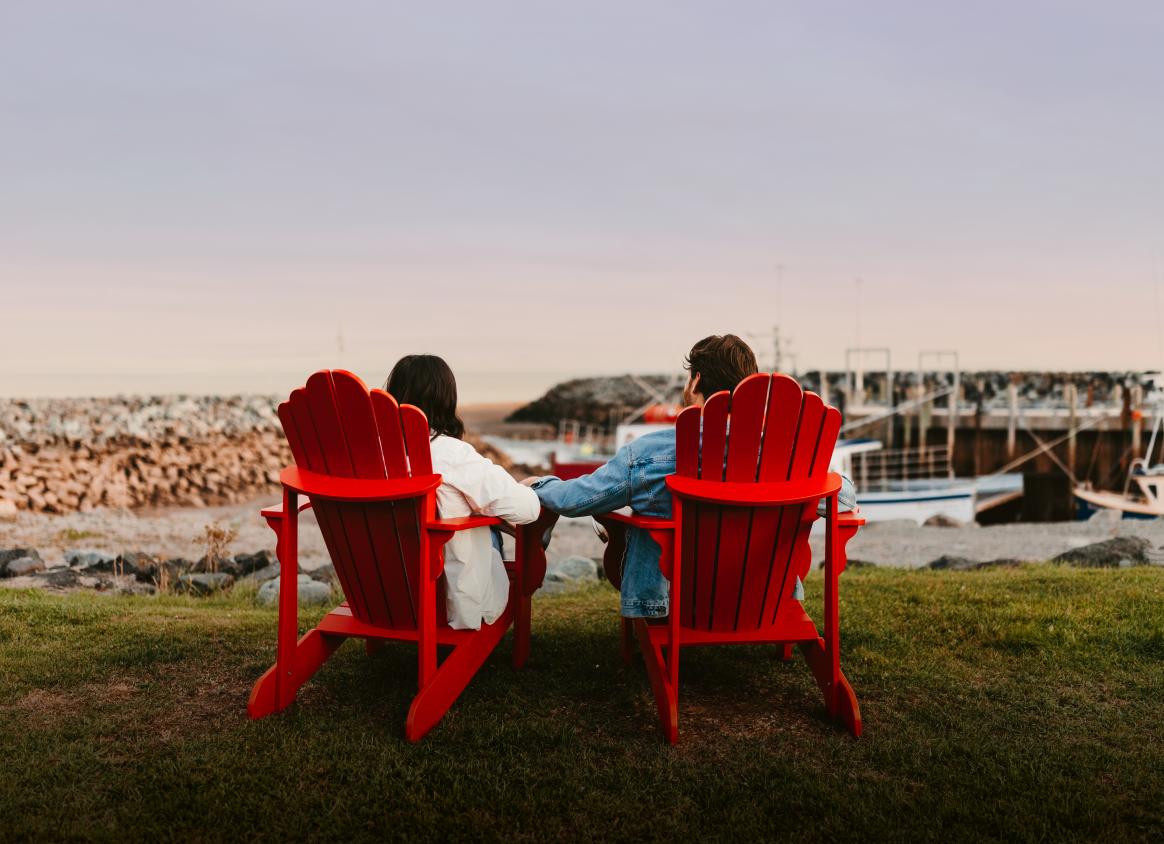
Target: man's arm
point(846, 498)
point(606, 488)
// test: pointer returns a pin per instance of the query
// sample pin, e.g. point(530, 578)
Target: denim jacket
point(635, 477)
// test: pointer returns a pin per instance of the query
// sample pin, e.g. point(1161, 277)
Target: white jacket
point(477, 586)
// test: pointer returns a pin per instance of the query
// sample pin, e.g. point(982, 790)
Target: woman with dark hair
point(476, 585)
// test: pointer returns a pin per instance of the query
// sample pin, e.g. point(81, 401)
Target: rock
point(244, 564)
point(310, 592)
point(203, 583)
point(325, 574)
point(578, 568)
point(58, 578)
point(7, 555)
point(263, 575)
point(949, 562)
point(943, 521)
point(87, 558)
point(23, 565)
point(8, 510)
point(137, 564)
point(568, 574)
point(1118, 552)
point(1000, 563)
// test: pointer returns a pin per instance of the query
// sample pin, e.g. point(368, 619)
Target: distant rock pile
point(64, 455)
point(592, 399)
point(61, 455)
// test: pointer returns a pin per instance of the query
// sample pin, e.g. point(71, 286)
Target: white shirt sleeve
point(490, 490)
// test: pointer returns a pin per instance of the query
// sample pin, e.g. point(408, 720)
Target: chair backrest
point(337, 427)
point(739, 562)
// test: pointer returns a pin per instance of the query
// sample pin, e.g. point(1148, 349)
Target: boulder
point(23, 565)
point(1118, 552)
point(578, 568)
point(203, 583)
point(944, 521)
point(244, 564)
point(263, 575)
point(137, 564)
point(325, 574)
point(7, 555)
point(568, 574)
point(61, 578)
point(950, 562)
point(8, 510)
point(88, 558)
point(310, 592)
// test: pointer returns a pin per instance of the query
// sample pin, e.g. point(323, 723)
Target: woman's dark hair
point(427, 382)
point(722, 361)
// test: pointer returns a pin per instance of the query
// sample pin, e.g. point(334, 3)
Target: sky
point(227, 196)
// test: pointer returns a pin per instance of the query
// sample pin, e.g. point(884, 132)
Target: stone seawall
point(66, 455)
point(62, 455)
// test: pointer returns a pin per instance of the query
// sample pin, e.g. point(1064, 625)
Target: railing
point(875, 470)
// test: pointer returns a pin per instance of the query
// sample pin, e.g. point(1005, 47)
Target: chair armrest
point(755, 494)
point(660, 530)
point(275, 511)
point(462, 523)
point(850, 519)
point(635, 520)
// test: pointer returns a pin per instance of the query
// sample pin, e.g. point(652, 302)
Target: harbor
point(927, 443)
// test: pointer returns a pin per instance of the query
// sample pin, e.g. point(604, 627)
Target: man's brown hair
point(722, 361)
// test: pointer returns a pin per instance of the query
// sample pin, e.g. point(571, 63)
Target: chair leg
point(666, 694)
point(451, 677)
point(787, 652)
point(625, 647)
point(840, 701)
point(521, 629)
point(272, 693)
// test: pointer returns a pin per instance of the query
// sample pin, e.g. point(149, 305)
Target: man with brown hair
point(635, 477)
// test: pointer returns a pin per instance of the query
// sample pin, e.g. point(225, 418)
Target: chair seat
point(793, 625)
point(341, 622)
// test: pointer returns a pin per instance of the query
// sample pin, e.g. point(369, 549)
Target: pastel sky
point(208, 196)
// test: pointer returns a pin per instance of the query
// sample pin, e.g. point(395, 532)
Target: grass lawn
point(1022, 704)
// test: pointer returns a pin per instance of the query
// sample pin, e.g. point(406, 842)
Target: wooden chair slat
point(416, 439)
point(329, 432)
point(687, 428)
point(785, 400)
point(387, 414)
point(354, 406)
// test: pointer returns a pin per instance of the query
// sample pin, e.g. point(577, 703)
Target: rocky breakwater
point(67, 455)
point(64, 455)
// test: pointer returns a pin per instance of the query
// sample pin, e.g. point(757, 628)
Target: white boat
point(1143, 495)
point(897, 496)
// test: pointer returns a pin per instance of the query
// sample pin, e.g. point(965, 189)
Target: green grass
point(1008, 705)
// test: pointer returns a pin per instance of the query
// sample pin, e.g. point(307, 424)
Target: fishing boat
point(1143, 493)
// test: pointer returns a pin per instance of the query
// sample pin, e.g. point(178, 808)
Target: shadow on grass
point(1016, 705)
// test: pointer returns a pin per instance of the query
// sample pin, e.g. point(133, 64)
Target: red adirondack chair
point(364, 464)
point(750, 468)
